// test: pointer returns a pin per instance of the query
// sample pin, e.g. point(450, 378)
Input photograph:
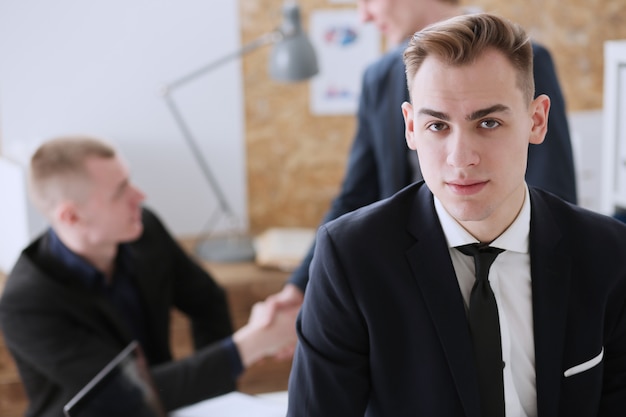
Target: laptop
point(123, 388)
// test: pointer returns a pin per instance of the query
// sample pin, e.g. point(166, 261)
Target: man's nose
point(461, 152)
point(138, 195)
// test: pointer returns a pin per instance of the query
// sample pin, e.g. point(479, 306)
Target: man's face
point(471, 127)
point(111, 212)
point(397, 20)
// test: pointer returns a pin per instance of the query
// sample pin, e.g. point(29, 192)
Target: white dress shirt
point(510, 281)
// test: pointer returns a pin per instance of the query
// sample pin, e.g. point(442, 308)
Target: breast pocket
point(584, 366)
point(582, 386)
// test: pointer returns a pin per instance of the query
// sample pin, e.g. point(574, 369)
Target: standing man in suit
point(388, 326)
point(108, 272)
point(380, 164)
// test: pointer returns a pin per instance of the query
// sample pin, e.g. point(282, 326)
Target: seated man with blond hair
point(107, 272)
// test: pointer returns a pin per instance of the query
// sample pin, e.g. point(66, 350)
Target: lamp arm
point(197, 153)
point(266, 39)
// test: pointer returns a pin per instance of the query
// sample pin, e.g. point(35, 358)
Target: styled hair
point(461, 40)
point(58, 172)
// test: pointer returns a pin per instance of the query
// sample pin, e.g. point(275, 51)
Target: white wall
point(97, 67)
point(614, 157)
point(586, 131)
point(18, 219)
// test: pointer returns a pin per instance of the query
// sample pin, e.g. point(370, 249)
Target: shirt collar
point(78, 266)
point(514, 238)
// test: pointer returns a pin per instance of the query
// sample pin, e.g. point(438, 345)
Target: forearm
point(205, 374)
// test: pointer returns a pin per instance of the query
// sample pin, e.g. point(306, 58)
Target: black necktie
point(485, 330)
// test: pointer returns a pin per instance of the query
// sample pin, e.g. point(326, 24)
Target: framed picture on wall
point(344, 47)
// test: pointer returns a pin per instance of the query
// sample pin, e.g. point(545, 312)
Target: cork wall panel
point(296, 161)
point(574, 31)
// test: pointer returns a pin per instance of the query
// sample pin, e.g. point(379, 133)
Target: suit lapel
point(551, 272)
point(432, 269)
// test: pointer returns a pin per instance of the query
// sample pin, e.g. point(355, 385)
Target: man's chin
point(135, 234)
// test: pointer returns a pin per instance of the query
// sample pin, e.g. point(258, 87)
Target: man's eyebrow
point(484, 112)
point(472, 116)
point(434, 113)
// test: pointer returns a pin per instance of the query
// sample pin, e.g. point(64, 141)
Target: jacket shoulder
point(28, 285)
point(381, 69)
point(539, 48)
point(577, 223)
point(389, 214)
point(154, 230)
point(541, 55)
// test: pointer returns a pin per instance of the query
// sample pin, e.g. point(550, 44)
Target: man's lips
point(136, 217)
point(466, 187)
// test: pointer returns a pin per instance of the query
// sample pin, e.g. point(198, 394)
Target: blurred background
point(99, 67)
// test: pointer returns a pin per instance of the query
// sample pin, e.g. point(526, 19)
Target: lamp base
point(229, 248)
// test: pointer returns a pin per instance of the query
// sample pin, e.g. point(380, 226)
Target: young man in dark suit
point(400, 319)
point(380, 164)
point(107, 272)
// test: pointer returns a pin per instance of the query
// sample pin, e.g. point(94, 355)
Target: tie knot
point(483, 257)
point(478, 249)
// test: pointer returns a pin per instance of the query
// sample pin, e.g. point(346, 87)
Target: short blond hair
point(58, 172)
point(461, 40)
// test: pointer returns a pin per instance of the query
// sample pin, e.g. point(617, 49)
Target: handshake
point(271, 328)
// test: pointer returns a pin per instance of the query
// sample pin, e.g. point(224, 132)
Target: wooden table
point(245, 283)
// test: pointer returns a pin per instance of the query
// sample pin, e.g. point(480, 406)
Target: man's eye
point(489, 124)
point(437, 127)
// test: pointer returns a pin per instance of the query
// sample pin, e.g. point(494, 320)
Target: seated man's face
point(471, 128)
point(111, 212)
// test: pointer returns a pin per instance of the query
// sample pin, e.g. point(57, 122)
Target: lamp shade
point(292, 57)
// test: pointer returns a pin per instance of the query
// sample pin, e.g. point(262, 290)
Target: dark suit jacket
point(378, 164)
point(383, 328)
point(61, 334)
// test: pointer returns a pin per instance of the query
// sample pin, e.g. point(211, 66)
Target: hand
point(290, 296)
point(266, 333)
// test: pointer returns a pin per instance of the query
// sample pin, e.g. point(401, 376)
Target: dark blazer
point(61, 334)
point(378, 163)
point(383, 328)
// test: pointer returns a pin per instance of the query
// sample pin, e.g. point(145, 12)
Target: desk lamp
point(292, 59)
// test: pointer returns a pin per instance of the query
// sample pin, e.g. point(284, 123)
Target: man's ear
point(66, 213)
point(409, 125)
point(539, 108)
